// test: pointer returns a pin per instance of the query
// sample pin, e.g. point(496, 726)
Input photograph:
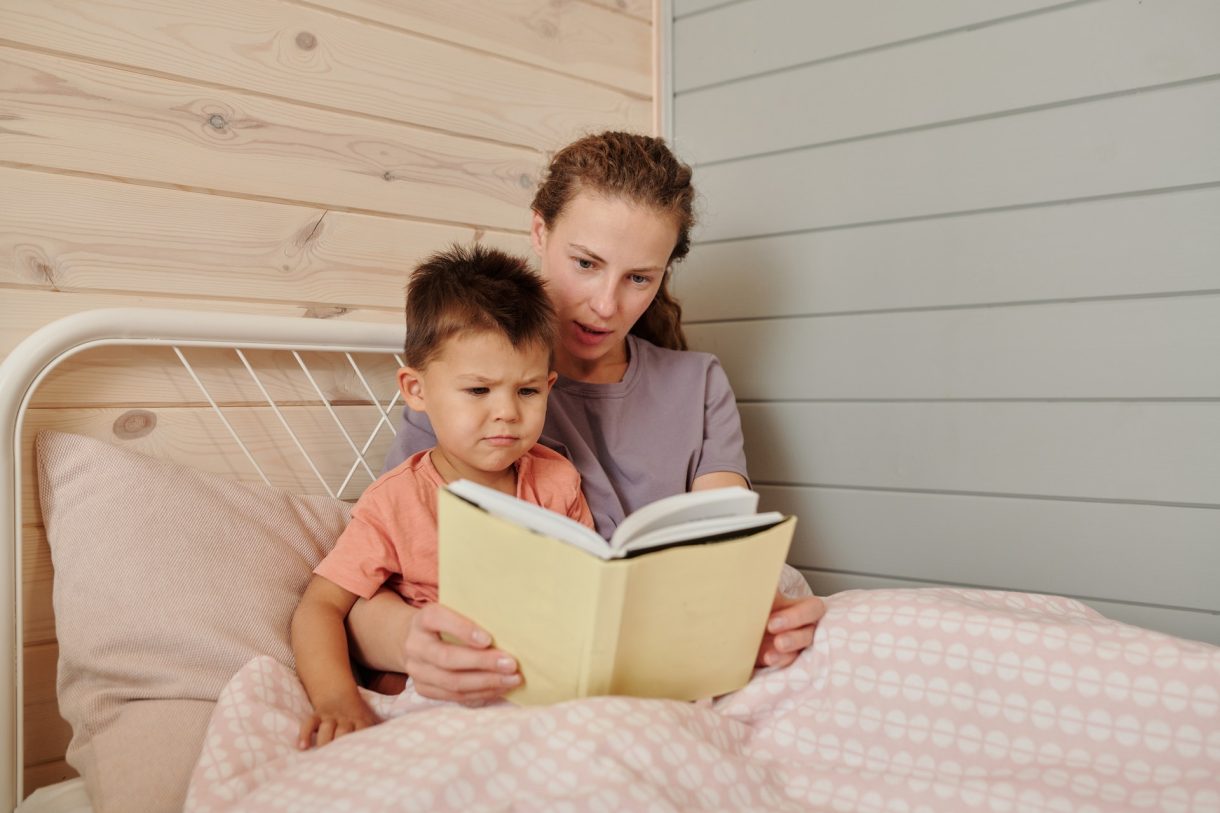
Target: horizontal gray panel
point(1155, 140)
point(764, 35)
point(1122, 552)
point(1114, 247)
point(1147, 452)
point(1132, 348)
point(1196, 626)
point(684, 7)
point(967, 74)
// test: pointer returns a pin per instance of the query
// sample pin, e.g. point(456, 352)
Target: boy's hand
point(333, 719)
point(789, 629)
point(471, 672)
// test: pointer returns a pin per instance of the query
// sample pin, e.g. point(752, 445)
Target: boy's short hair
point(473, 290)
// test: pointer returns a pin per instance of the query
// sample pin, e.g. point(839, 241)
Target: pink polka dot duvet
point(909, 701)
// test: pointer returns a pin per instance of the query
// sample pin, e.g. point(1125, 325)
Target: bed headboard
point(304, 404)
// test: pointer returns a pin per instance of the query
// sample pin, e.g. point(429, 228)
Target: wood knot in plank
point(323, 312)
point(134, 423)
point(387, 176)
point(526, 182)
point(217, 121)
point(306, 41)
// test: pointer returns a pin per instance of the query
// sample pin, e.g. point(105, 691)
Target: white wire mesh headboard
point(32, 361)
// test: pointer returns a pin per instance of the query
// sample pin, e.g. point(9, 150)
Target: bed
point(180, 537)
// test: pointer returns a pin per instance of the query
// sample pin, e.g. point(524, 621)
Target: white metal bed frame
point(39, 354)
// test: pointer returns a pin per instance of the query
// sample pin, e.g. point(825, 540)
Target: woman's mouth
point(590, 335)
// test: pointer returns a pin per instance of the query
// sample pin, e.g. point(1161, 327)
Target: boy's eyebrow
point(482, 379)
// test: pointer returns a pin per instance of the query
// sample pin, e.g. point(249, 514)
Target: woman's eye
point(583, 263)
point(640, 279)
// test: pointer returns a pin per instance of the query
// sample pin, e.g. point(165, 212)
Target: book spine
point(602, 647)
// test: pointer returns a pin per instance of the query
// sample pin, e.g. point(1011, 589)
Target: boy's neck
point(505, 481)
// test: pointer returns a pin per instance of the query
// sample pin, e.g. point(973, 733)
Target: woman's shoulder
point(664, 364)
point(668, 358)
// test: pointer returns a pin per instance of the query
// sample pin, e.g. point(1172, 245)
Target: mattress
point(63, 797)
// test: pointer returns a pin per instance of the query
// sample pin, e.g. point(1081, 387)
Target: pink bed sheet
point(934, 700)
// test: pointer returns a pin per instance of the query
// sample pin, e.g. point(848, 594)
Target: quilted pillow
point(167, 580)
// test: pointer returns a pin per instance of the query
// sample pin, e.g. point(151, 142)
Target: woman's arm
point(377, 628)
point(718, 479)
point(387, 633)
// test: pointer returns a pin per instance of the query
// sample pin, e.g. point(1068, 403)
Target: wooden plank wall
point(268, 156)
point(966, 283)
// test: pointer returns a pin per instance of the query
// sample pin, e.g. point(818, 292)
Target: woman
point(639, 415)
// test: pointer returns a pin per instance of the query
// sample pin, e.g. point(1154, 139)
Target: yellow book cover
point(675, 607)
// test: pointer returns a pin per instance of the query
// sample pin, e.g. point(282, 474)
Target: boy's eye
point(529, 391)
point(478, 390)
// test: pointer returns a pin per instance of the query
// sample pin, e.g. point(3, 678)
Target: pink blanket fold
point(909, 700)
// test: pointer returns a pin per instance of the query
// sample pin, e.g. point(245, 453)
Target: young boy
point(479, 334)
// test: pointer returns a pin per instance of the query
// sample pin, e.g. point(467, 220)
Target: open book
point(674, 605)
point(694, 516)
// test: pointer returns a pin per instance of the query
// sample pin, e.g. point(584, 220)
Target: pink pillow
point(167, 580)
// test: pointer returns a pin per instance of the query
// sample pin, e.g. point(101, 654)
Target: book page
point(700, 530)
point(692, 505)
point(534, 517)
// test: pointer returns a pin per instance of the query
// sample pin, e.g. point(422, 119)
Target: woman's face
point(604, 259)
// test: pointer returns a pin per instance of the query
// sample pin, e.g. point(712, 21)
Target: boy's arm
point(319, 644)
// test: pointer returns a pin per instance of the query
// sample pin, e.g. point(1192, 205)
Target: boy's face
point(486, 401)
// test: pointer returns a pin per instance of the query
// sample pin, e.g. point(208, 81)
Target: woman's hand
point(469, 672)
point(789, 629)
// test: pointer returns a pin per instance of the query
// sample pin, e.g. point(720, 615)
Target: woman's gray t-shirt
point(671, 419)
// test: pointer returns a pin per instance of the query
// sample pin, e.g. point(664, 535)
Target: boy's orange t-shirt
point(392, 537)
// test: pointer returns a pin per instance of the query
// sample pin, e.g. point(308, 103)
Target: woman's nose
point(603, 302)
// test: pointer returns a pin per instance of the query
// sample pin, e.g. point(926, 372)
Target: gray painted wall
point(961, 261)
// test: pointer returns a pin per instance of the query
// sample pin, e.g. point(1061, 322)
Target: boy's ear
point(551, 378)
point(411, 385)
point(538, 234)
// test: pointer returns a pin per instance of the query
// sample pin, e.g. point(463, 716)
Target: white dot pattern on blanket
point(909, 701)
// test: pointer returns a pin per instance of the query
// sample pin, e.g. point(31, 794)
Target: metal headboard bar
point(39, 354)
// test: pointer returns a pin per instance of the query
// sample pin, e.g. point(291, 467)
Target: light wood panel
point(586, 40)
point(47, 773)
point(110, 376)
point(1182, 623)
point(640, 9)
point(1145, 348)
point(1149, 452)
point(65, 233)
point(76, 116)
point(46, 733)
point(37, 576)
point(1147, 244)
point(307, 55)
point(197, 438)
point(26, 310)
point(1046, 546)
point(922, 83)
point(744, 38)
point(1148, 141)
